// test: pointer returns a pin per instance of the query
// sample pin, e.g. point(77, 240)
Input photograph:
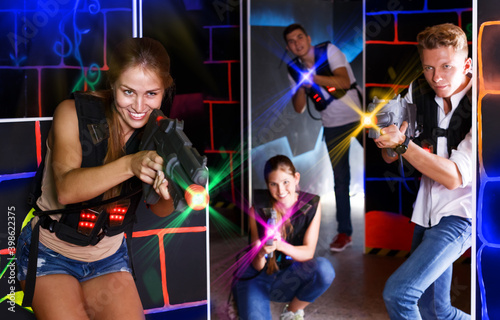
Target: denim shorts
point(50, 262)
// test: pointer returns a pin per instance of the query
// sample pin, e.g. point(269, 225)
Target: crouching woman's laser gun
point(271, 229)
point(185, 170)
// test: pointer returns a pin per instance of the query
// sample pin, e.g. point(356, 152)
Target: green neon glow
point(18, 295)
point(225, 228)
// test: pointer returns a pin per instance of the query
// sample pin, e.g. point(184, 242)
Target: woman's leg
point(303, 282)
point(253, 296)
point(112, 296)
point(58, 297)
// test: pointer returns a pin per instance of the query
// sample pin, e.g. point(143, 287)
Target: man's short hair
point(443, 35)
point(291, 28)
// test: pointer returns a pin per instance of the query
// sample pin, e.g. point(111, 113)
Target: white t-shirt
point(434, 201)
point(340, 111)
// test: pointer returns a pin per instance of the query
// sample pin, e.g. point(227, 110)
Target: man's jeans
point(338, 142)
point(420, 287)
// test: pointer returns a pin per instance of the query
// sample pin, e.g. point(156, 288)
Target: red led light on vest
point(87, 221)
point(116, 215)
point(331, 89)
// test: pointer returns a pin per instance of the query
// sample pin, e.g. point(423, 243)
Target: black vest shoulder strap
point(460, 123)
point(93, 128)
point(427, 122)
point(321, 59)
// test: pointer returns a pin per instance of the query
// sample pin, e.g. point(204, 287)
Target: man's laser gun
point(185, 169)
point(388, 112)
point(271, 229)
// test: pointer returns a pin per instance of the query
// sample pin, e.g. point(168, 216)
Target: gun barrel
point(183, 164)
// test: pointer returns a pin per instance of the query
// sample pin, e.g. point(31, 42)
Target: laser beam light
point(306, 78)
point(369, 120)
point(389, 112)
point(196, 197)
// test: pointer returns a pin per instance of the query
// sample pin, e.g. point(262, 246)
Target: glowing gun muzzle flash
point(384, 113)
point(369, 121)
point(197, 197)
point(306, 78)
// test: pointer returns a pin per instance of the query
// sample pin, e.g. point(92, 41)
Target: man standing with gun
point(442, 152)
point(323, 74)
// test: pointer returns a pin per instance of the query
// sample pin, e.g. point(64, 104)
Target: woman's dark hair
point(278, 162)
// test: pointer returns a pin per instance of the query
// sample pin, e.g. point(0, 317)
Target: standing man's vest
point(296, 68)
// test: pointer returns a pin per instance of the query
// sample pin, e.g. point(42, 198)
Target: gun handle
point(391, 153)
point(150, 196)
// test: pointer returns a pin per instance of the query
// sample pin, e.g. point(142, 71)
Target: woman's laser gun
point(185, 170)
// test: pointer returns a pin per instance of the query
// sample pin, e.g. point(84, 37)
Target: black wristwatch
point(400, 149)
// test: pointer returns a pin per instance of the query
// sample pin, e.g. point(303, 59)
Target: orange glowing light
point(196, 197)
point(369, 121)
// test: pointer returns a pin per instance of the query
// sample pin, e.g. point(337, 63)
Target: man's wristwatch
point(400, 149)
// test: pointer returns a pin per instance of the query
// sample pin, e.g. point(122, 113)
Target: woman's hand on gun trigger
point(145, 165)
point(266, 249)
point(161, 185)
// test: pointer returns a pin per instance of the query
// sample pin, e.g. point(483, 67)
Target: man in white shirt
point(331, 86)
point(443, 208)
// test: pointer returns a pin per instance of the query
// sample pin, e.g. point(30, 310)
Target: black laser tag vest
point(303, 213)
point(427, 118)
point(103, 218)
point(295, 68)
point(98, 217)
